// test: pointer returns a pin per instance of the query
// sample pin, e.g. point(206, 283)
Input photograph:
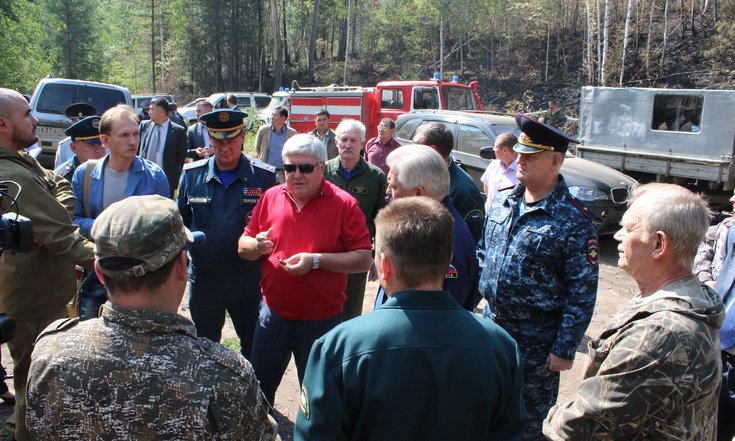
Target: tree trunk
point(575, 17)
point(590, 30)
point(347, 41)
point(68, 42)
point(648, 40)
point(153, 46)
point(312, 43)
point(260, 47)
point(666, 32)
point(278, 61)
point(285, 36)
point(625, 41)
point(548, 44)
point(606, 20)
point(599, 42)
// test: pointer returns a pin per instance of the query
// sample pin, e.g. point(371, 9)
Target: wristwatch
point(315, 261)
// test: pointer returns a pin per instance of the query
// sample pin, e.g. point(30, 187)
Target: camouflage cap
point(139, 235)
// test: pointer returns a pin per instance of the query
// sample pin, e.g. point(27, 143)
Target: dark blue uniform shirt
point(220, 212)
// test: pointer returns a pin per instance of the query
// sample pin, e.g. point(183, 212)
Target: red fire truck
point(388, 99)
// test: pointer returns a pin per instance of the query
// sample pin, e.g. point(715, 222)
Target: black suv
point(602, 189)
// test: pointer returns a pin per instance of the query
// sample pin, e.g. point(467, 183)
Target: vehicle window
point(222, 103)
point(407, 130)
point(458, 98)
point(498, 129)
point(471, 139)
point(261, 102)
point(391, 99)
point(681, 113)
point(425, 98)
point(57, 97)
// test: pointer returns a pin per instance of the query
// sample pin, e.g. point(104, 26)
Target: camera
point(16, 233)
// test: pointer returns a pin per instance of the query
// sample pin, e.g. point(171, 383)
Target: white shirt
point(497, 177)
point(162, 132)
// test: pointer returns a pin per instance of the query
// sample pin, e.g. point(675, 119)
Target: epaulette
point(510, 187)
point(262, 165)
point(195, 164)
point(580, 206)
point(224, 356)
point(66, 168)
point(60, 326)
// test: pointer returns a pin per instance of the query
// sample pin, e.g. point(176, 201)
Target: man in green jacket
point(367, 184)
point(35, 286)
point(420, 367)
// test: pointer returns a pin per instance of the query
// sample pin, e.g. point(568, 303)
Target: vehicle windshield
point(458, 98)
point(55, 98)
point(193, 103)
point(261, 102)
point(277, 101)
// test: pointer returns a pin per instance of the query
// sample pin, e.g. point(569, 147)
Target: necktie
point(153, 142)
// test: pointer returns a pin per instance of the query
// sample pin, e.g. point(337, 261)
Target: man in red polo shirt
point(308, 235)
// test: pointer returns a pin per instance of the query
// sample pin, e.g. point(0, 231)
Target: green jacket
point(37, 283)
point(367, 186)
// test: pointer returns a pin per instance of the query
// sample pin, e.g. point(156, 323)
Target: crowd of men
point(285, 242)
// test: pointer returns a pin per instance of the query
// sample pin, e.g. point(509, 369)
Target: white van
point(53, 95)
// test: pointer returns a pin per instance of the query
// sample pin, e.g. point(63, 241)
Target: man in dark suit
point(197, 137)
point(163, 142)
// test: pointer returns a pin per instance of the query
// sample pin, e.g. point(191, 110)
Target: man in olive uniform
point(465, 195)
point(420, 367)
point(539, 259)
point(139, 371)
point(364, 182)
point(35, 286)
point(554, 116)
point(217, 196)
point(85, 145)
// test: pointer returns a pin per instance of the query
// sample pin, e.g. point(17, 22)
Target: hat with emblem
point(139, 235)
point(225, 124)
point(80, 110)
point(87, 130)
point(537, 137)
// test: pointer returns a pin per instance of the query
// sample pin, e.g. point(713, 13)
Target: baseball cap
point(139, 235)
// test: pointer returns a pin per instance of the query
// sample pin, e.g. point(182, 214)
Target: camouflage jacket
point(711, 252)
point(654, 374)
point(540, 268)
point(141, 375)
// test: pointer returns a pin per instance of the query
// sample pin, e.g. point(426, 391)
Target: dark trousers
point(726, 404)
point(355, 293)
point(210, 296)
point(276, 339)
point(92, 295)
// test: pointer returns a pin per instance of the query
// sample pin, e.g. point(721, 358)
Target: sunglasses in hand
point(303, 168)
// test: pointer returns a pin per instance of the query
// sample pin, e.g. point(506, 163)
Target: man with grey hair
point(308, 235)
point(655, 372)
point(139, 371)
point(364, 182)
point(35, 286)
point(418, 170)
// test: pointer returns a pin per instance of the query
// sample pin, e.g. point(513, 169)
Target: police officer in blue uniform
point(217, 196)
point(85, 144)
point(539, 258)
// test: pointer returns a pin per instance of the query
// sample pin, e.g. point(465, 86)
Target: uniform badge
point(360, 190)
point(224, 116)
point(473, 215)
point(593, 251)
point(304, 406)
point(252, 191)
point(452, 273)
point(198, 200)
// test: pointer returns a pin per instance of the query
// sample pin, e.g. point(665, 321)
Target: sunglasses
point(303, 168)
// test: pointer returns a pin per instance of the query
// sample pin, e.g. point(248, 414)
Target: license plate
point(46, 131)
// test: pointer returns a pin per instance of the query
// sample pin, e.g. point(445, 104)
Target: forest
point(522, 52)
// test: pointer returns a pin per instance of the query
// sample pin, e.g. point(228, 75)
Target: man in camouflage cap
point(655, 372)
point(139, 371)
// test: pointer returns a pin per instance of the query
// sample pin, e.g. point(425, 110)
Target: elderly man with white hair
point(655, 372)
point(418, 170)
point(308, 235)
point(364, 182)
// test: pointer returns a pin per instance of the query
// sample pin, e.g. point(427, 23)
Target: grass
point(232, 343)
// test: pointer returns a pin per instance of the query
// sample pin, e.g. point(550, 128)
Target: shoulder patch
point(304, 405)
point(593, 251)
point(580, 206)
point(60, 325)
point(452, 273)
point(196, 164)
point(474, 215)
point(262, 165)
